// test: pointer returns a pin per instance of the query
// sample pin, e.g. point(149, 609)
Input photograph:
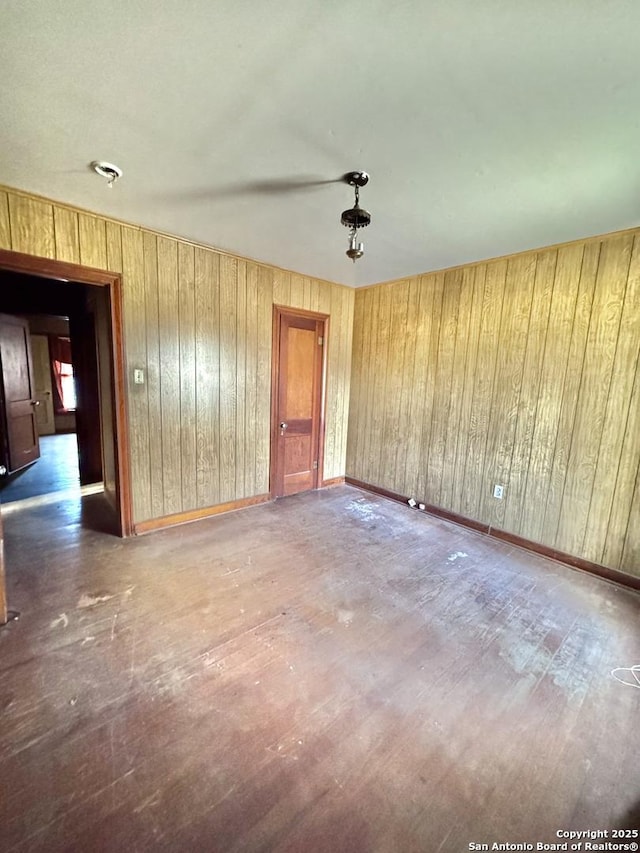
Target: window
point(64, 388)
point(67, 385)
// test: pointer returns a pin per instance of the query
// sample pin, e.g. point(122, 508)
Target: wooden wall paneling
point(592, 400)
point(443, 385)
point(381, 344)
point(512, 340)
point(344, 378)
point(435, 283)
point(543, 272)
point(93, 241)
point(553, 368)
point(391, 425)
point(407, 345)
point(100, 299)
point(494, 278)
point(368, 373)
point(616, 415)
point(263, 378)
point(241, 378)
point(569, 392)
point(5, 223)
point(314, 299)
point(473, 281)
point(306, 291)
point(67, 234)
point(296, 291)
point(332, 355)
point(424, 308)
point(333, 375)
point(332, 366)
point(348, 297)
point(169, 342)
point(630, 561)
point(390, 403)
point(281, 287)
point(326, 297)
point(358, 433)
point(339, 375)
point(32, 229)
point(152, 387)
point(624, 526)
point(187, 321)
point(251, 382)
point(207, 353)
point(356, 417)
point(136, 355)
point(530, 379)
point(114, 246)
point(456, 388)
point(228, 337)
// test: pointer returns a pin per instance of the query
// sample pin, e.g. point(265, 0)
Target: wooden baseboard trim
point(177, 518)
point(334, 481)
point(604, 572)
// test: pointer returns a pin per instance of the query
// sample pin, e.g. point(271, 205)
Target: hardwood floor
point(330, 672)
point(55, 470)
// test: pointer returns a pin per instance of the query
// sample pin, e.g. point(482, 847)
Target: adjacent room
point(319, 426)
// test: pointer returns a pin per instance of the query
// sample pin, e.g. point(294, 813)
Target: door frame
point(278, 311)
point(69, 272)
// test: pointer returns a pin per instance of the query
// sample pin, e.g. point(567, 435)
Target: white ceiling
point(487, 127)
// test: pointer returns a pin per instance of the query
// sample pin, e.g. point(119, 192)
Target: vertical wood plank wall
point(521, 371)
point(199, 322)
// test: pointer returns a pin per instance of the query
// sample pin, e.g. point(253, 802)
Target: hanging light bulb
point(355, 250)
point(355, 217)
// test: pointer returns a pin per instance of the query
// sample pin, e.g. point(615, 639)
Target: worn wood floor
point(55, 470)
point(332, 672)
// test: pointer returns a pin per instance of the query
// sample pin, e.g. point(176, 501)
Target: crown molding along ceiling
point(487, 128)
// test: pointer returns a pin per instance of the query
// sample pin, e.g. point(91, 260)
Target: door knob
point(283, 425)
point(35, 402)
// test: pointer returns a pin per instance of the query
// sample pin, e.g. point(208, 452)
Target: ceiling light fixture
point(107, 170)
point(356, 217)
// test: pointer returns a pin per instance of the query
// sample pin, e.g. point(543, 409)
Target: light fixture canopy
point(107, 170)
point(355, 217)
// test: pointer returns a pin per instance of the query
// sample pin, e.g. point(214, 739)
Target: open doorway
point(100, 311)
point(49, 393)
point(50, 396)
point(62, 413)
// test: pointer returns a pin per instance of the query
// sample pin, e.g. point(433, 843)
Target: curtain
point(62, 373)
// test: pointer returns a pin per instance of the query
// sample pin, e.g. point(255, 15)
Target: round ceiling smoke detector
point(107, 170)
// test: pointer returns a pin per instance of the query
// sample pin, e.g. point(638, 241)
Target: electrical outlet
point(498, 492)
point(138, 376)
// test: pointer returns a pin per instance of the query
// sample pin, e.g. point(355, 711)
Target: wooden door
point(45, 418)
point(297, 402)
point(18, 393)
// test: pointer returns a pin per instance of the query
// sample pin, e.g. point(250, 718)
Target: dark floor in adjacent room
point(330, 672)
point(55, 470)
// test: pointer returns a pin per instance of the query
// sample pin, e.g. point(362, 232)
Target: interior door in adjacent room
point(21, 444)
point(296, 430)
point(45, 417)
